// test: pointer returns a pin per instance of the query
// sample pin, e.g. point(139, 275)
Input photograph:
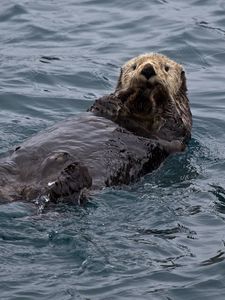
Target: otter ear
point(119, 82)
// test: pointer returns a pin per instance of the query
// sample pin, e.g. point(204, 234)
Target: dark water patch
point(12, 13)
point(48, 59)
point(169, 233)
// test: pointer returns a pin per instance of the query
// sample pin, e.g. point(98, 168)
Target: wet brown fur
point(123, 136)
point(159, 105)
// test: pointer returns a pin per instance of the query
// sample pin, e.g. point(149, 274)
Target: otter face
point(152, 87)
point(150, 98)
point(149, 70)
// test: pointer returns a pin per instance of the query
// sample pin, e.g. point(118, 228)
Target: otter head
point(153, 89)
point(148, 70)
point(150, 99)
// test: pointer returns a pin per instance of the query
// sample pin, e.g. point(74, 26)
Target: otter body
point(122, 136)
point(105, 153)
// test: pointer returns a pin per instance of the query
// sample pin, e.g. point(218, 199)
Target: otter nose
point(148, 71)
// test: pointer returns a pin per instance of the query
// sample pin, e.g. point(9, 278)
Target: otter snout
point(148, 71)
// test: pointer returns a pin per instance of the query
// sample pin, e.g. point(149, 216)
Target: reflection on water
point(161, 238)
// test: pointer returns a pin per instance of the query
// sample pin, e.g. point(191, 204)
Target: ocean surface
point(162, 238)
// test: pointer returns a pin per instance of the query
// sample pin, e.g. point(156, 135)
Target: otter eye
point(167, 68)
point(134, 66)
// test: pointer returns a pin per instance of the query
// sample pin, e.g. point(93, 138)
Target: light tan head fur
point(159, 87)
point(151, 93)
point(167, 73)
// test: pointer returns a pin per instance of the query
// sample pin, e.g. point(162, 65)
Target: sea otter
point(121, 137)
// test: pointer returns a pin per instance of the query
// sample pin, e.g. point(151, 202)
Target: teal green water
point(162, 238)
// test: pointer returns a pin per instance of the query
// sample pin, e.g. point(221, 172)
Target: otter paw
point(71, 184)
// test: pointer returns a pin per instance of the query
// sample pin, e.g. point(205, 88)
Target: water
point(162, 238)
